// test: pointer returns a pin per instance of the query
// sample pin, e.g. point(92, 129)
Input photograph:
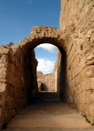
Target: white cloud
point(48, 47)
point(46, 66)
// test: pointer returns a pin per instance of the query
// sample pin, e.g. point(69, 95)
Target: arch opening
point(21, 77)
point(58, 74)
point(46, 55)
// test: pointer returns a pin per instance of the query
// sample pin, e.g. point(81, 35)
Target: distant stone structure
point(75, 64)
point(47, 82)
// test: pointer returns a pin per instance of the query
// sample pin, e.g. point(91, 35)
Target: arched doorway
point(40, 35)
point(46, 55)
point(20, 76)
point(53, 82)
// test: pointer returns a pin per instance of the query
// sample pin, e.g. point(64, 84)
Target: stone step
point(48, 96)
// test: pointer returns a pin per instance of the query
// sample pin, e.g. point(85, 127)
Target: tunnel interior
point(21, 76)
point(46, 55)
point(19, 80)
point(31, 73)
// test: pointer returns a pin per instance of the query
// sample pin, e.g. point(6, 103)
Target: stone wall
point(47, 82)
point(18, 80)
point(75, 77)
point(77, 23)
point(18, 85)
point(61, 73)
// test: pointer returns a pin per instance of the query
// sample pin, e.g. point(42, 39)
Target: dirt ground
point(48, 116)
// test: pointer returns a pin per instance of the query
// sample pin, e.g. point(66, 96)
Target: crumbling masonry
point(75, 78)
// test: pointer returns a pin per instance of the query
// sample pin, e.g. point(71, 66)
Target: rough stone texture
point(47, 82)
point(75, 77)
point(61, 73)
point(18, 80)
point(77, 22)
point(17, 86)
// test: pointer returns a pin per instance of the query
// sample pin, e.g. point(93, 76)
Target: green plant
point(92, 124)
point(87, 120)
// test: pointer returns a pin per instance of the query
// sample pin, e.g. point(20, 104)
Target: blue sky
point(17, 17)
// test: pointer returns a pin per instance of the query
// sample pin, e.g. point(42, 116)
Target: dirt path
point(48, 116)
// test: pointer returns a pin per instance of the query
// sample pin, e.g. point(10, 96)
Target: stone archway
point(18, 70)
point(43, 34)
point(19, 83)
point(76, 38)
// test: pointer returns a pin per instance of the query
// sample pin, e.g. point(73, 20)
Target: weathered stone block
point(2, 86)
point(88, 84)
point(76, 90)
point(90, 71)
point(92, 38)
point(9, 90)
point(91, 96)
point(48, 81)
point(82, 75)
point(92, 109)
point(86, 109)
point(81, 98)
point(80, 108)
point(9, 102)
point(86, 97)
point(3, 73)
point(13, 112)
point(4, 51)
point(17, 93)
point(80, 87)
point(15, 104)
point(8, 116)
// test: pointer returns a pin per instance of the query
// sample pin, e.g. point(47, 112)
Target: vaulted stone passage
point(18, 73)
point(75, 79)
point(18, 80)
point(18, 83)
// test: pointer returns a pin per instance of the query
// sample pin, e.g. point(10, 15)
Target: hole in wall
point(35, 86)
point(46, 55)
point(59, 76)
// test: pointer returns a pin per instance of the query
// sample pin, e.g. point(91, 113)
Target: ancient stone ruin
point(75, 77)
point(47, 82)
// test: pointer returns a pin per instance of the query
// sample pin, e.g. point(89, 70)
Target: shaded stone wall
point(61, 73)
point(77, 22)
point(18, 85)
